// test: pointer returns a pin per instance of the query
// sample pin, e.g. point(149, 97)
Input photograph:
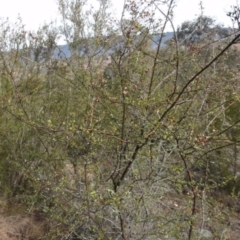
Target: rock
point(204, 233)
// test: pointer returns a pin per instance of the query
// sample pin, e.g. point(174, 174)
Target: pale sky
point(35, 12)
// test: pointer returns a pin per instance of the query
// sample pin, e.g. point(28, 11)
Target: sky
point(36, 12)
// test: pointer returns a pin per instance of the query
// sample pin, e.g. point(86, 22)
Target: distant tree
point(203, 27)
point(234, 15)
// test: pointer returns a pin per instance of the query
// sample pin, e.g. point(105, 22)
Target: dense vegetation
point(121, 141)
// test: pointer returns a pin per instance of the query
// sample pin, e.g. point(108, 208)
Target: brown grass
point(22, 227)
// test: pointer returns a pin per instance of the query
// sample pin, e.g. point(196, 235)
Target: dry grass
point(237, 46)
point(22, 227)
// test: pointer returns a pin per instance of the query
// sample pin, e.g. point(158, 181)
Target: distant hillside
point(63, 51)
